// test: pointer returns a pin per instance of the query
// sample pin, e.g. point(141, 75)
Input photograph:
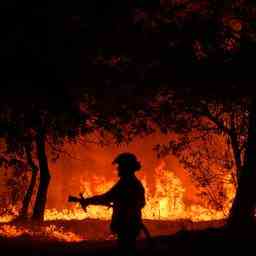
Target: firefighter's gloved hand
point(84, 204)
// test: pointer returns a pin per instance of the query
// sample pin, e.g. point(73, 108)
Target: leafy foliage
point(209, 141)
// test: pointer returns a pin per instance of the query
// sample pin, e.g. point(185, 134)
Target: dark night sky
point(34, 54)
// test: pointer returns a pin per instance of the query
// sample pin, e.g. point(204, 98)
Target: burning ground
point(90, 237)
point(55, 238)
point(173, 203)
point(93, 229)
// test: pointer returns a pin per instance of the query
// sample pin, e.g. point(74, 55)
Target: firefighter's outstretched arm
point(103, 199)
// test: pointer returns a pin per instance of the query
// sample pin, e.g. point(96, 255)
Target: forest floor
point(210, 241)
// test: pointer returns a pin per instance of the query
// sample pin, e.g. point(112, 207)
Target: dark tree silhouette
point(243, 210)
point(199, 122)
point(29, 193)
point(55, 48)
point(220, 58)
point(29, 129)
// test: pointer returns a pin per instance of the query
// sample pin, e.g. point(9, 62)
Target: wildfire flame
point(167, 203)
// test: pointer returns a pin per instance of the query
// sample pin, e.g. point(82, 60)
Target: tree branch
point(205, 112)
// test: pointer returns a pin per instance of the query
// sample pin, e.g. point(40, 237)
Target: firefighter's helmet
point(129, 160)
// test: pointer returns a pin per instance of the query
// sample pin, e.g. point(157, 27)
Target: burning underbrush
point(166, 203)
point(167, 209)
point(92, 229)
point(55, 232)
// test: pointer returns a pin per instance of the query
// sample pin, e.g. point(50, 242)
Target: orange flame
point(167, 203)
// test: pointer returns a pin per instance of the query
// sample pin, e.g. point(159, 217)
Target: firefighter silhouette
point(127, 198)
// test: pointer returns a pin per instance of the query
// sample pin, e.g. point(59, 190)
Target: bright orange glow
point(168, 197)
point(9, 217)
point(166, 204)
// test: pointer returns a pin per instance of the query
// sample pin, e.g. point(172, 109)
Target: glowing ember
point(49, 232)
point(60, 234)
point(10, 216)
point(6, 218)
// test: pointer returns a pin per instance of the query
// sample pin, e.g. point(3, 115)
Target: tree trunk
point(243, 208)
point(27, 199)
point(41, 197)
